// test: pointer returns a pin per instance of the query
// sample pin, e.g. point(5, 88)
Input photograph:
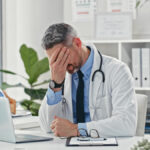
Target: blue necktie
point(80, 99)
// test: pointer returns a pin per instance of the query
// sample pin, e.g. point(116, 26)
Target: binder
point(136, 66)
point(145, 67)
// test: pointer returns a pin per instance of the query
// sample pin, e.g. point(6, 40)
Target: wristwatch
point(53, 84)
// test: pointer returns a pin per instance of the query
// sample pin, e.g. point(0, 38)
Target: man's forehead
point(57, 46)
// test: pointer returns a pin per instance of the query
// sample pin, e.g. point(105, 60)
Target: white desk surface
point(59, 144)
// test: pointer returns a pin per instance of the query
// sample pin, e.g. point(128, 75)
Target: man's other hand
point(64, 128)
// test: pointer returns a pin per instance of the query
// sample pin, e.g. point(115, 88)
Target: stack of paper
point(26, 123)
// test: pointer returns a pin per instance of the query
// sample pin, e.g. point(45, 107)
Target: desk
point(59, 144)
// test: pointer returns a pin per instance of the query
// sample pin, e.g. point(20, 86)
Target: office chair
point(142, 110)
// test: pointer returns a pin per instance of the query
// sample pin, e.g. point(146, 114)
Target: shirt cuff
point(82, 128)
point(53, 97)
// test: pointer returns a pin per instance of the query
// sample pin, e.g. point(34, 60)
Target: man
point(102, 100)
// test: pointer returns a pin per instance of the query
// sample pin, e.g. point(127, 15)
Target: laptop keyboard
point(25, 136)
point(21, 138)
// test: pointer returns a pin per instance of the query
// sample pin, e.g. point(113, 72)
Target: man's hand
point(64, 128)
point(58, 64)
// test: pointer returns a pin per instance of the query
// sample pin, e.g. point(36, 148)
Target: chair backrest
point(142, 110)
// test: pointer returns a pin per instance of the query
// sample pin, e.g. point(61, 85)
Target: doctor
point(87, 90)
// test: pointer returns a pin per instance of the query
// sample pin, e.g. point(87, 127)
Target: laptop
point(7, 132)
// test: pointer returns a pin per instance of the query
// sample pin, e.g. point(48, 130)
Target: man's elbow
point(130, 127)
point(42, 121)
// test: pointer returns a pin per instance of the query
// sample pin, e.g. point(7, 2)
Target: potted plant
point(140, 3)
point(34, 68)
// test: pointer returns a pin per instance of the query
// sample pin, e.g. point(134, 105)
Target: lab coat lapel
point(94, 86)
point(68, 96)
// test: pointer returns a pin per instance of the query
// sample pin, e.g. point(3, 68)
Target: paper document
point(122, 6)
point(113, 26)
point(27, 122)
point(74, 141)
point(22, 113)
point(83, 10)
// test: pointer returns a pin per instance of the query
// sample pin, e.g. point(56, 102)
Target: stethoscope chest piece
point(63, 99)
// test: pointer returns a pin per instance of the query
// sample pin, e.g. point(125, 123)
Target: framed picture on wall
point(113, 26)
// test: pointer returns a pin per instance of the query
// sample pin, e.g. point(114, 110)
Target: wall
point(141, 25)
point(25, 21)
point(85, 29)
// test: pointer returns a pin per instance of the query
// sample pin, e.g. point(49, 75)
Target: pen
point(91, 139)
point(98, 139)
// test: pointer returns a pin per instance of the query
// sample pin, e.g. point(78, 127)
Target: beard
point(74, 68)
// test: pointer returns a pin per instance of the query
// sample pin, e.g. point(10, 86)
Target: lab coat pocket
point(101, 108)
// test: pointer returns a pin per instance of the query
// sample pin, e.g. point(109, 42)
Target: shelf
point(142, 89)
point(122, 50)
point(118, 41)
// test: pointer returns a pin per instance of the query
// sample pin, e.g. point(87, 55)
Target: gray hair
point(58, 33)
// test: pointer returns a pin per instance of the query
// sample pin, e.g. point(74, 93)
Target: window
point(0, 40)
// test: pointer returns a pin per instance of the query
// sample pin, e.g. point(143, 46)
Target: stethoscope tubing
point(99, 70)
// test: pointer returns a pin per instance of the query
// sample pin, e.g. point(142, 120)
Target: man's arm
point(53, 97)
point(58, 62)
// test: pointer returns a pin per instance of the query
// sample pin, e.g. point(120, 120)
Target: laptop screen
point(6, 124)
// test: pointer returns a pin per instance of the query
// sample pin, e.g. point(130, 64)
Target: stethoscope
point(100, 69)
point(93, 76)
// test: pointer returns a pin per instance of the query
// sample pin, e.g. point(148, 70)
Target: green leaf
point(34, 108)
point(7, 71)
point(26, 104)
point(6, 85)
point(35, 93)
point(12, 73)
point(137, 4)
point(31, 106)
point(29, 57)
point(44, 82)
point(38, 68)
point(33, 66)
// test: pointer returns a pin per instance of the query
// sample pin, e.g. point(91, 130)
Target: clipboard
point(73, 141)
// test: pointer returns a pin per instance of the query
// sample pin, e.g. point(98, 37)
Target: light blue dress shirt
point(55, 97)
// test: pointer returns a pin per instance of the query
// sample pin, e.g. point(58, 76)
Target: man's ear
point(77, 42)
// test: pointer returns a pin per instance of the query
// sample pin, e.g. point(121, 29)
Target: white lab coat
point(112, 105)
